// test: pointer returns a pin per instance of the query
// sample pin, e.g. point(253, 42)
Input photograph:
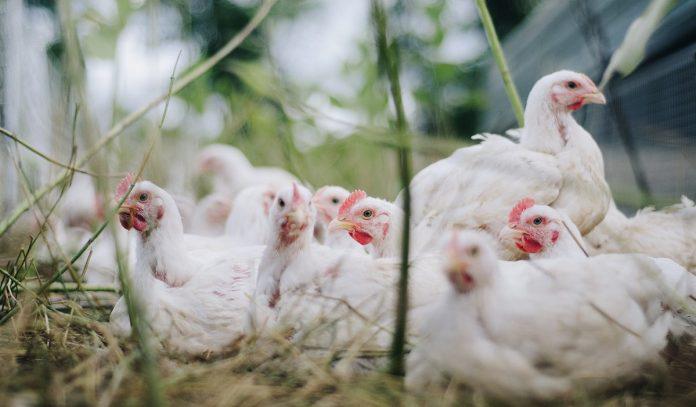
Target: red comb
point(296, 197)
point(516, 212)
point(123, 186)
point(354, 197)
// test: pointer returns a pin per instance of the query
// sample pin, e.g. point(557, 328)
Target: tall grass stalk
point(139, 324)
point(389, 57)
point(127, 121)
point(46, 157)
point(500, 60)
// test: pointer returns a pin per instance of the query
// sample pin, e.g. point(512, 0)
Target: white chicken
point(544, 232)
point(192, 303)
point(291, 259)
point(348, 293)
point(377, 224)
point(233, 172)
point(248, 222)
point(537, 329)
point(556, 162)
point(328, 201)
point(371, 221)
point(209, 216)
point(670, 232)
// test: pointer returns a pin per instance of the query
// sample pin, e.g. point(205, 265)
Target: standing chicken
point(670, 232)
point(192, 303)
point(292, 260)
point(232, 172)
point(536, 330)
point(339, 296)
point(556, 162)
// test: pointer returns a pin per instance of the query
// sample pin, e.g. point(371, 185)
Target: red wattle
point(529, 245)
point(360, 237)
point(575, 106)
point(139, 223)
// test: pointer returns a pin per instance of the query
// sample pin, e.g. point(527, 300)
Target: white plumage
point(209, 215)
point(348, 293)
point(556, 162)
point(193, 303)
point(327, 201)
point(545, 233)
point(233, 172)
point(670, 232)
point(534, 329)
point(372, 222)
point(247, 224)
point(542, 232)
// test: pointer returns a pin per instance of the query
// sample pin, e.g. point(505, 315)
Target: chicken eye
point(143, 197)
point(334, 201)
point(572, 85)
point(538, 220)
point(473, 252)
point(367, 213)
point(281, 203)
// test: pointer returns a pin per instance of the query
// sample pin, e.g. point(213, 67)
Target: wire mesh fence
point(657, 101)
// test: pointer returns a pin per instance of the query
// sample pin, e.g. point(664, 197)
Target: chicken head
point(470, 260)
point(366, 219)
point(328, 201)
point(532, 228)
point(293, 214)
point(143, 208)
point(572, 90)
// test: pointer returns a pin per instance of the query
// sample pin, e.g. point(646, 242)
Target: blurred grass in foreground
point(60, 351)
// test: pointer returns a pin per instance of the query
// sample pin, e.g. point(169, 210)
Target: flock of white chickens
point(525, 279)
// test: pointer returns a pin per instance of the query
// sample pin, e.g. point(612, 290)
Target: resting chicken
point(670, 232)
point(193, 299)
point(233, 172)
point(556, 162)
point(538, 329)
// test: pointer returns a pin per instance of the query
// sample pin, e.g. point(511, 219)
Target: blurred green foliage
point(268, 117)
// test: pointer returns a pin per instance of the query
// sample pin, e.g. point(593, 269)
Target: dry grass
point(71, 358)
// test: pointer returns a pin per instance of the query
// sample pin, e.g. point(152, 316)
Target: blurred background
point(305, 91)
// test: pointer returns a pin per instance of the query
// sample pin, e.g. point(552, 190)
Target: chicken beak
point(594, 97)
point(458, 275)
point(125, 208)
point(125, 215)
point(341, 224)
